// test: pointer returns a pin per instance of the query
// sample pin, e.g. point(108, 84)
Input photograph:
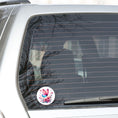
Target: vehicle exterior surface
point(12, 36)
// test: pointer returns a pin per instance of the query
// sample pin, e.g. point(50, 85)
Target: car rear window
point(69, 57)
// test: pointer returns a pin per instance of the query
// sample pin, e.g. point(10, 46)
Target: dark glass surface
point(74, 54)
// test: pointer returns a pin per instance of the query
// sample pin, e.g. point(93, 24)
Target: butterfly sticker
point(45, 95)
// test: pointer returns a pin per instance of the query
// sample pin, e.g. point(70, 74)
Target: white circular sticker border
point(45, 95)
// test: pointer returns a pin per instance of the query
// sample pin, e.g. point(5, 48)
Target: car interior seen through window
point(75, 56)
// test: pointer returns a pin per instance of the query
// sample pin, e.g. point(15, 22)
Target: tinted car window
point(4, 13)
point(74, 54)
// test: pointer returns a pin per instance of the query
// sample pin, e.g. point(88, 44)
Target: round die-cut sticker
point(45, 95)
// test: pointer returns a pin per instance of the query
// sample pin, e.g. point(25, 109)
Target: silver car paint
point(11, 101)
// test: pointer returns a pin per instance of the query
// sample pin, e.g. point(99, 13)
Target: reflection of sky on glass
point(100, 2)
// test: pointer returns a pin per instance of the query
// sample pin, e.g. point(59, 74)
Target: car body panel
point(77, 113)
